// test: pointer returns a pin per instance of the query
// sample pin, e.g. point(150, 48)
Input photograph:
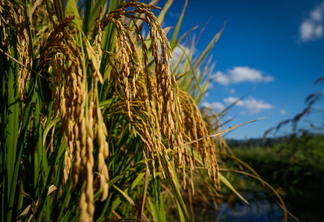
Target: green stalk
point(172, 178)
point(11, 130)
point(174, 38)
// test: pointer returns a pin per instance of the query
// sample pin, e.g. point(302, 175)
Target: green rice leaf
point(164, 10)
point(128, 198)
point(230, 186)
point(72, 10)
point(174, 41)
point(138, 179)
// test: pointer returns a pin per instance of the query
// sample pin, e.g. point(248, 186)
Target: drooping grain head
point(166, 107)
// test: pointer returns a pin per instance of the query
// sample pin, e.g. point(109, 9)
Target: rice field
point(96, 125)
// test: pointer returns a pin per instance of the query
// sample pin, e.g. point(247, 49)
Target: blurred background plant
point(311, 108)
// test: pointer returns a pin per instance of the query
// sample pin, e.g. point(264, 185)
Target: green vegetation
point(294, 165)
point(288, 160)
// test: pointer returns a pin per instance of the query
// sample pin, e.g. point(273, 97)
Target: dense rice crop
point(97, 121)
point(94, 125)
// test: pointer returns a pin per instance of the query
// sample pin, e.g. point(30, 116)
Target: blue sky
point(271, 51)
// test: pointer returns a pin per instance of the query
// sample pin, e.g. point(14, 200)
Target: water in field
point(266, 211)
point(258, 211)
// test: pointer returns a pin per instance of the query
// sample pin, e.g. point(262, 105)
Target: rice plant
point(94, 125)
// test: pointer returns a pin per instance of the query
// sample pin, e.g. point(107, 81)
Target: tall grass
point(94, 125)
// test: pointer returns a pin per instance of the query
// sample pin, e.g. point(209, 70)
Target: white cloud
point(232, 91)
point(241, 74)
point(251, 105)
point(178, 51)
point(283, 111)
point(312, 28)
point(221, 78)
point(217, 106)
point(231, 100)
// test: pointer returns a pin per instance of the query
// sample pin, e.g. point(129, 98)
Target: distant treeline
point(269, 142)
